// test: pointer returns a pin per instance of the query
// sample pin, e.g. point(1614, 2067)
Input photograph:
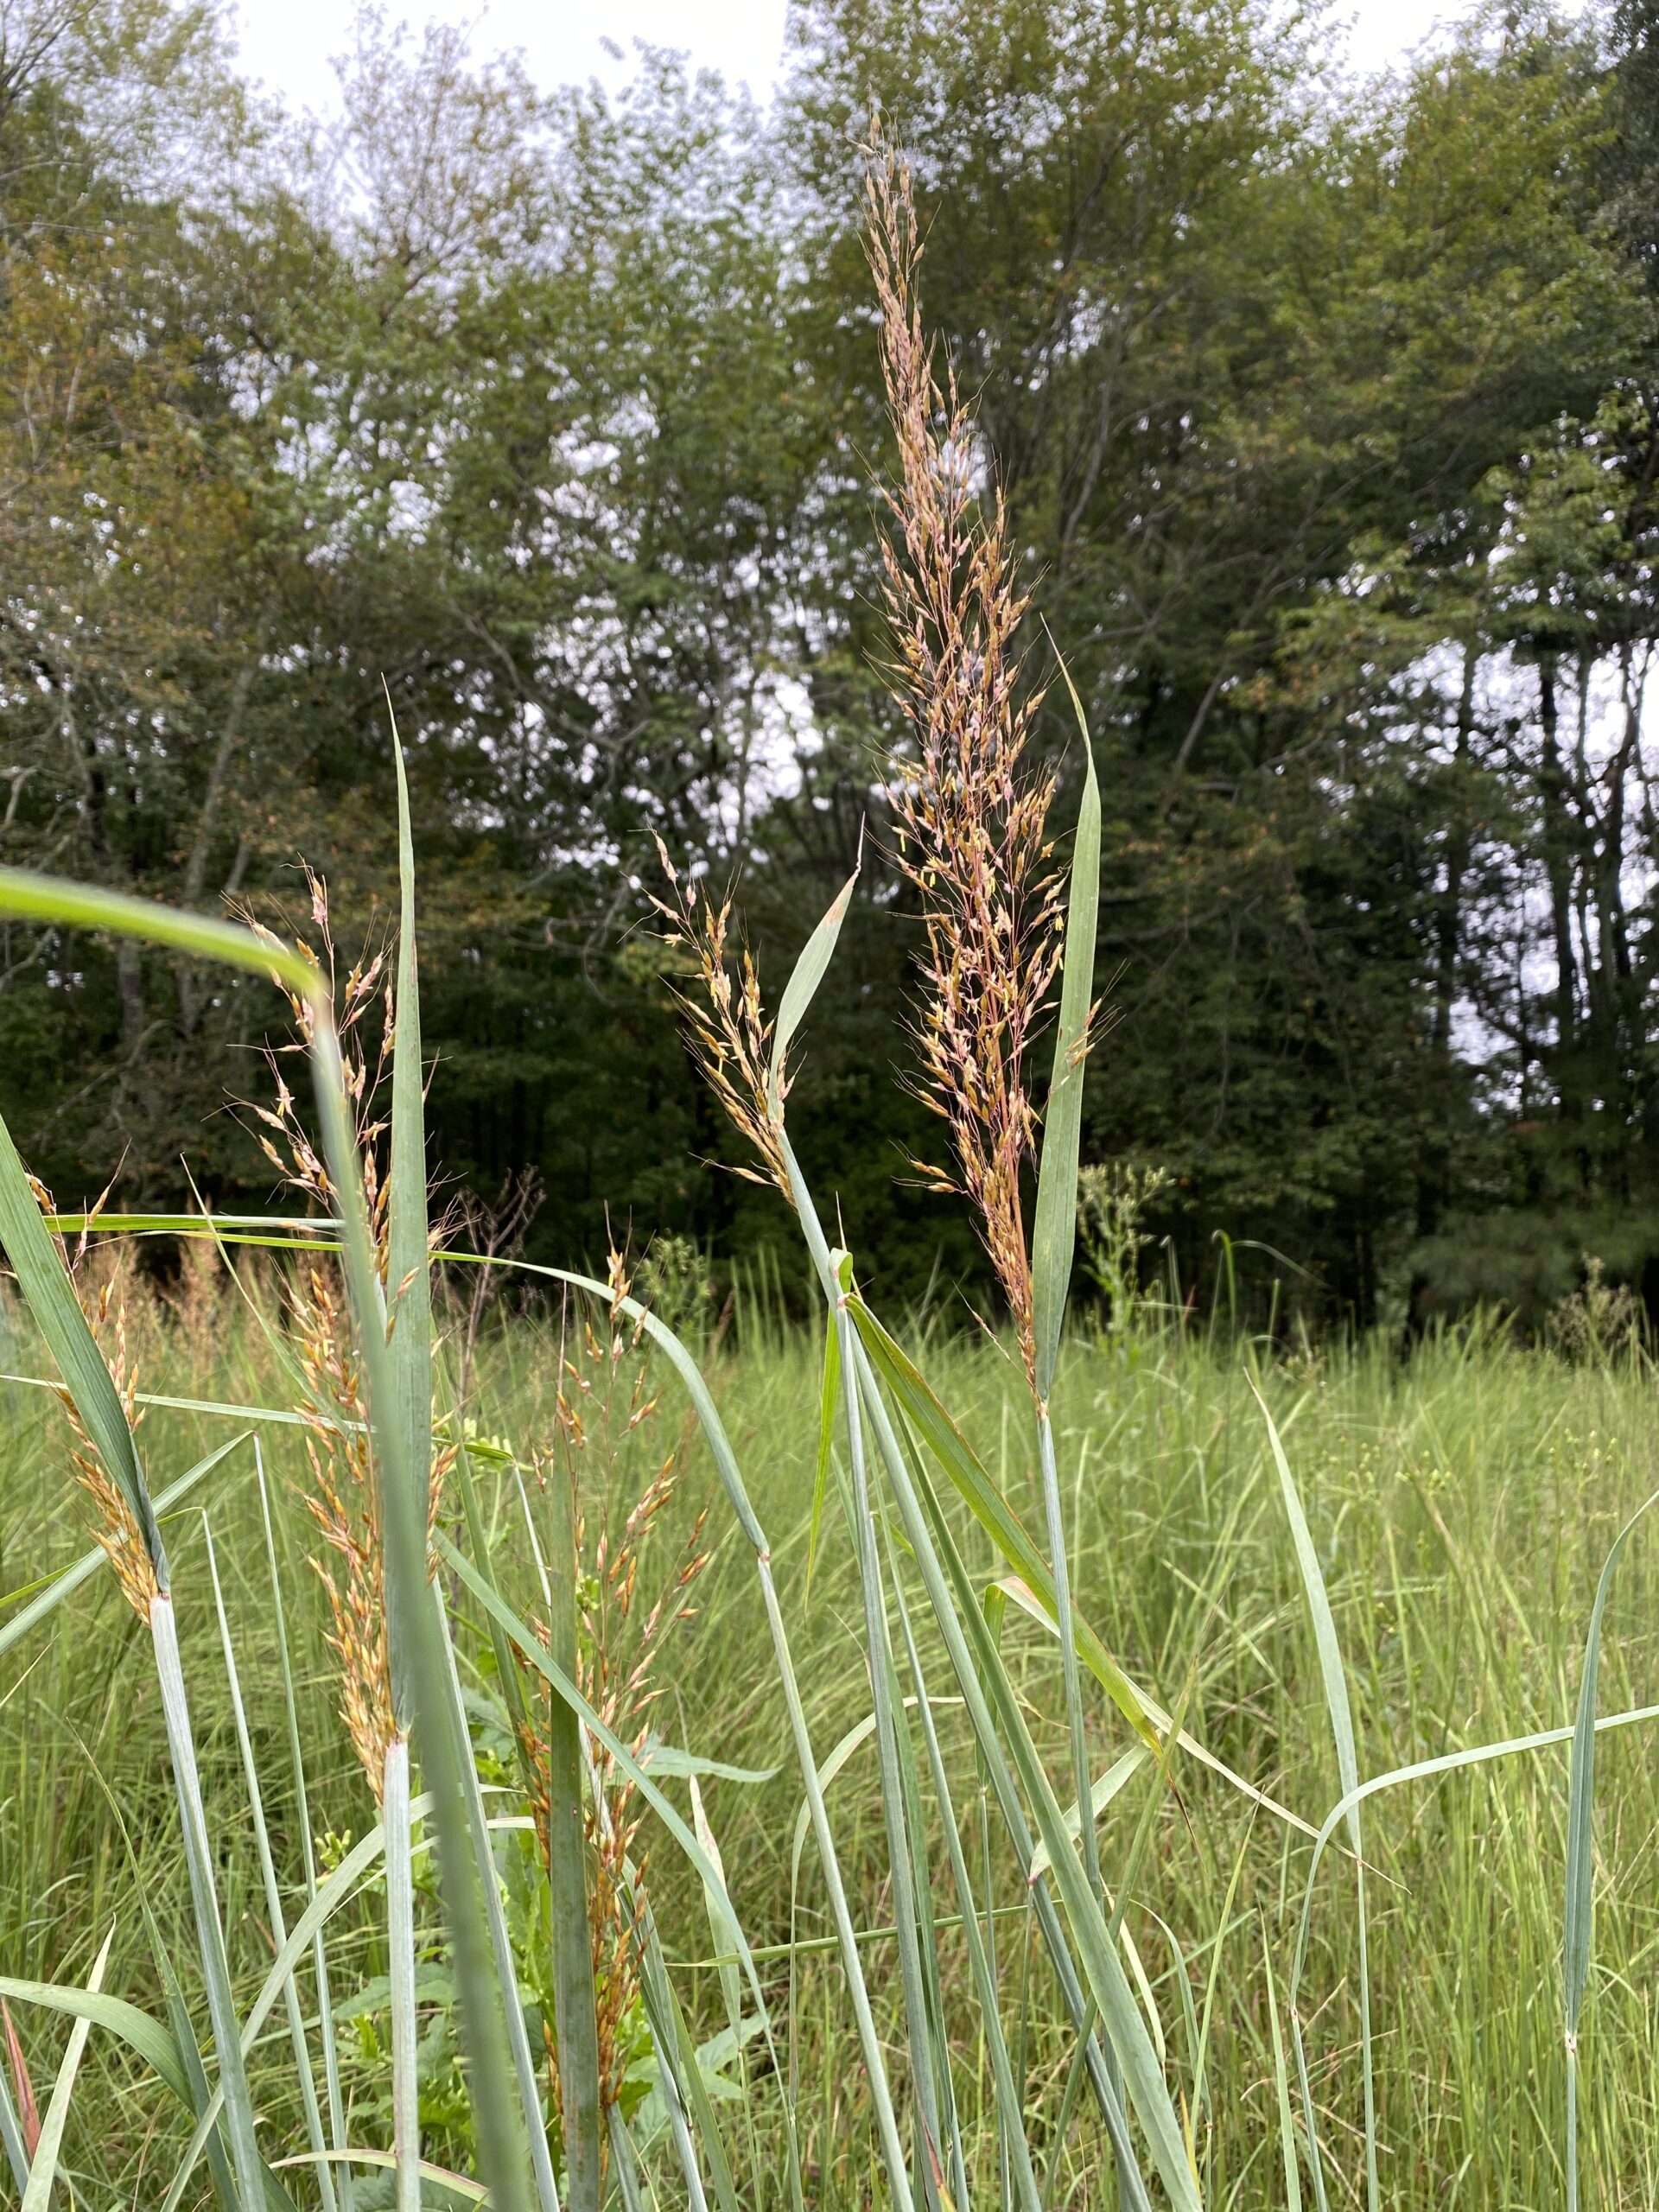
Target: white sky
point(287, 43)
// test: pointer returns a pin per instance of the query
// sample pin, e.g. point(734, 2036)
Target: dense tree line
point(1324, 412)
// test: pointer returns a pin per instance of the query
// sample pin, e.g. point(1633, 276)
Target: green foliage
point(1323, 415)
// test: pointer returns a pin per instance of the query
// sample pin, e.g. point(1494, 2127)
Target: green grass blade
point(1011, 2131)
point(1578, 1929)
point(799, 991)
point(52, 899)
point(829, 1392)
point(210, 1933)
point(400, 1974)
point(333, 1895)
point(273, 1912)
point(923, 2058)
point(573, 1958)
point(50, 1295)
point(1012, 1587)
point(984, 1500)
point(1281, 2090)
point(1054, 1229)
point(731, 1985)
point(523, 2065)
point(499, 2124)
point(302, 1820)
point(63, 1585)
point(1064, 1622)
point(1121, 1771)
point(43, 2171)
point(141, 2034)
point(1334, 1680)
point(994, 1708)
point(408, 1274)
point(731, 1481)
point(501, 2146)
point(453, 2184)
point(178, 2012)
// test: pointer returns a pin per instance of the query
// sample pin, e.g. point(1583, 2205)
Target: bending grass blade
point(1577, 1918)
point(1420, 1770)
point(71, 1579)
point(731, 1480)
point(51, 1299)
point(499, 2123)
point(923, 1411)
point(470, 2192)
point(273, 1912)
point(37, 2197)
point(1334, 1679)
point(145, 2037)
point(500, 2126)
point(1011, 1587)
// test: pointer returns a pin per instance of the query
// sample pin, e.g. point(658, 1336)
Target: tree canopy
point(550, 424)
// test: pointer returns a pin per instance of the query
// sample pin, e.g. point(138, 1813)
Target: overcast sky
point(287, 43)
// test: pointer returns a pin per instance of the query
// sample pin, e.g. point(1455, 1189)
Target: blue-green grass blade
point(1054, 1229)
point(273, 1912)
point(200, 1866)
point(731, 1481)
point(1014, 2146)
point(43, 2169)
point(400, 1976)
point(524, 2066)
point(333, 1895)
point(1334, 1681)
point(1578, 1929)
point(498, 2122)
point(501, 2147)
point(143, 2034)
point(901, 1873)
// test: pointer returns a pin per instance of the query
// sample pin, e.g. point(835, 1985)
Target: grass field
point(1461, 1505)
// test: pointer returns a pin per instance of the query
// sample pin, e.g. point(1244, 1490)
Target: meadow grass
point(550, 1933)
point(1462, 1503)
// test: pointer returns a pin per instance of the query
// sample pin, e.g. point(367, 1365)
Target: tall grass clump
point(1074, 1671)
